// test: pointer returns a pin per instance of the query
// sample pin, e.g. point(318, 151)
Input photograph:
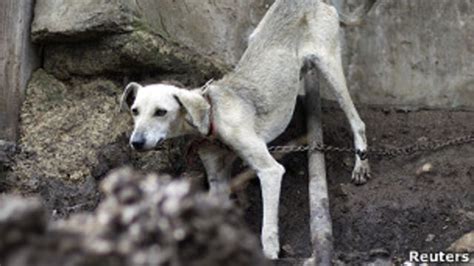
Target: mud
point(402, 208)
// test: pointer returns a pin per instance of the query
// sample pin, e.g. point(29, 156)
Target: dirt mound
point(143, 220)
point(73, 131)
point(64, 128)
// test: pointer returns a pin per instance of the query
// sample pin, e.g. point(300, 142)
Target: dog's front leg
point(218, 164)
point(254, 151)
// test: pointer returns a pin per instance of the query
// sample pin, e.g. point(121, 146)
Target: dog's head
point(163, 111)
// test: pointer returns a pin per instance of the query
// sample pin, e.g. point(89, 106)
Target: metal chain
point(381, 151)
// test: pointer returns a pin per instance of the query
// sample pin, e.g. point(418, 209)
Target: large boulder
point(463, 244)
point(209, 35)
point(60, 20)
point(124, 54)
point(213, 28)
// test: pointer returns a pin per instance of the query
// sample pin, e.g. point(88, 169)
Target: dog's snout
point(138, 142)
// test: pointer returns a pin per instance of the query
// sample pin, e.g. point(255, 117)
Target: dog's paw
point(361, 172)
point(271, 245)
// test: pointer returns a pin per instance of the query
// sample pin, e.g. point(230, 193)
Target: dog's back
point(267, 76)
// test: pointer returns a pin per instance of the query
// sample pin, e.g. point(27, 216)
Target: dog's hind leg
point(332, 71)
point(322, 49)
point(218, 164)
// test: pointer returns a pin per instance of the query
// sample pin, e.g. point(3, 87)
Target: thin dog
point(253, 104)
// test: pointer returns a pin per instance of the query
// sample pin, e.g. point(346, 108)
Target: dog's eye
point(134, 111)
point(160, 112)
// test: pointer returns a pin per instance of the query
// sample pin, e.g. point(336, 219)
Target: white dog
point(253, 104)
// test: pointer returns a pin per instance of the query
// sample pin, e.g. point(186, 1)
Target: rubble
point(142, 220)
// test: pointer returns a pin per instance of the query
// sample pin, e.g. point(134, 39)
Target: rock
point(19, 220)
point(463, 244)
point(425, 168)
point(430, 237)
point(60, 20)
point(7, 150)
point(379, 262)
point(136, 52)
point(143, 220)
point(214, 28)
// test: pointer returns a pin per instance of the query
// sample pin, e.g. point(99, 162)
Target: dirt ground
point(397, 211)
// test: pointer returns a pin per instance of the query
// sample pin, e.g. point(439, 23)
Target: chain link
point(381, 151)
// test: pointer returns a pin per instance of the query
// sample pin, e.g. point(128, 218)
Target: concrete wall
point(415, 53)
point(17, 60)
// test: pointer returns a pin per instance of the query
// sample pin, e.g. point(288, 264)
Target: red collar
point(212, 128)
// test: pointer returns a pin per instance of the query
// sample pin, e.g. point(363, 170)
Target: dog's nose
point(138, 144)
point(137, 141)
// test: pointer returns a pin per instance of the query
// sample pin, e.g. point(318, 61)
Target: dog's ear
point(197, 110)
point(128, 96)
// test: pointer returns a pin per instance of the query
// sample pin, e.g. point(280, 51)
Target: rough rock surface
point(213, 28)
point(143, 220)
point(416, 53)
point(71, 20)
point(464, 244)
point(218, 28)
point(136, 52)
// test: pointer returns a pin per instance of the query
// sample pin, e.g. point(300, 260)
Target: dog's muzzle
point(138, 141)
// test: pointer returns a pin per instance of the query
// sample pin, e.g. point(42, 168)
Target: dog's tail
point(357, 16)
